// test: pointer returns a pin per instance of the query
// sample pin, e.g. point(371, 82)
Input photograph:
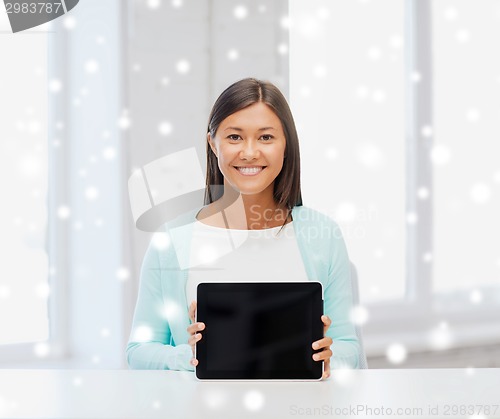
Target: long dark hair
point(238, 96)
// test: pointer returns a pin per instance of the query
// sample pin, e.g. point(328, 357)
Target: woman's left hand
point(324, 344)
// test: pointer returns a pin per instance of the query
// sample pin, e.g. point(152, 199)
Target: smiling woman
point(250, 160)
point(253, 153)
point(251, 125)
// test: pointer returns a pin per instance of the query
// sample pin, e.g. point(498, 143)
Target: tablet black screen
point(259, 330)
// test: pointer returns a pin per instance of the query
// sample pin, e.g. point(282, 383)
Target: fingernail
point(315, 357)
point(315, 346)
point(200, 326)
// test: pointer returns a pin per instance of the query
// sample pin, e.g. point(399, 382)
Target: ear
point(212, 145)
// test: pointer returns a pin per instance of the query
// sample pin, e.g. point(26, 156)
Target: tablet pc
point(259, 330)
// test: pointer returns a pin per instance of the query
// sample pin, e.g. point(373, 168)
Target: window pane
point(23, 182)
point(347, 95)
point(466, 154)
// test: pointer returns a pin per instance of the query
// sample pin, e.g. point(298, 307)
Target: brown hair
point(236, 97)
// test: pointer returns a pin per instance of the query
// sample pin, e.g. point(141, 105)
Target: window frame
point(421, 308)
point(57, 233)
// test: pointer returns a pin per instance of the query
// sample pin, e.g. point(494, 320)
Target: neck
point(252, 212)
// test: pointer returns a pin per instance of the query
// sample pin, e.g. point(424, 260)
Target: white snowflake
point(233, 54)
point(91, 66)
point(165, 128)
point(154, 4)
point(473, 115)
point(320, 71)
point(109, 153)
point(396, 353)
point(379, 96)
point(124, 122)
point(370, 156)
point(451, 14)
point(374, 53)
point(480, 193)
point(142, 334)
point(122, 274)
point(462, 36)
point(346, 212)
point(55, 85)
point(411, 218)
point(415, 76)
point(91, 193)
point(396, 41)
point(240, 12)
point(283, 49)
point(214, 398)
point(69, 22)
point(253, 400)
point(160, 241)
point(41, 349)
point(427, 131)
point(440, 337)
point(440, 154)
point(183, 66)
point(42, 290)
point(4, 292)
point(359, 315)
point(423, 192)
point(476, 296)
point(331, 153)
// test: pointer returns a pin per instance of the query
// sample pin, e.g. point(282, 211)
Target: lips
point(249, 170)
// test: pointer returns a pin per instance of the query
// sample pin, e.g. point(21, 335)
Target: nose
point(249, 150)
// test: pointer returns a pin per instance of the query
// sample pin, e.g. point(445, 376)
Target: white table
point(434, 393)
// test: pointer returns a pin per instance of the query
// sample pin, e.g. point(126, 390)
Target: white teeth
point(249, 170)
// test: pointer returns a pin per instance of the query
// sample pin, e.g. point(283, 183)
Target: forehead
point(254, 116)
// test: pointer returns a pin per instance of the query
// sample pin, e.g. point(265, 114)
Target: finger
point(322, 343)
point(194, 339)
point(192, 311)
point(323, 355)
point(326, 369)
point(327, 322)
point(195, 327)
point(194, 362)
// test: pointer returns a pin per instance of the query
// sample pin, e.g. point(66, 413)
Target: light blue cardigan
point(159, 337)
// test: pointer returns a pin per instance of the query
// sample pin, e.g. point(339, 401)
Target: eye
point(233, 137)
point(267, 137)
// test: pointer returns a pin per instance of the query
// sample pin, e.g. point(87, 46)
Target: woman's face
point(250, 148)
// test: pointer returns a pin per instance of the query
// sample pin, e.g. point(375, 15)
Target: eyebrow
point(239, 129)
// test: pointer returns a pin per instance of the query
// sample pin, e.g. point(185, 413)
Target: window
point(397, 107)
point(24, 288)
point(466, 130)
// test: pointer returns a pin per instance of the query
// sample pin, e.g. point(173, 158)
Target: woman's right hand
point(193, 330)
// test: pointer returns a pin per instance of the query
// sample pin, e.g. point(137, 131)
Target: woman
point(253, 151)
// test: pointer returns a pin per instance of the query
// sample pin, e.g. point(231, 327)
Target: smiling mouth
point(249, 170)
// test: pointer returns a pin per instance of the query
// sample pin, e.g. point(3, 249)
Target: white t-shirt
point(228, 255)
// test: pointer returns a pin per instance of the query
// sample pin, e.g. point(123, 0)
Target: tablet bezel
point(314, 374)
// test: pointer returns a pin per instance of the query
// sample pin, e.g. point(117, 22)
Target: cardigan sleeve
point(149, 346)
point(338, 305)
